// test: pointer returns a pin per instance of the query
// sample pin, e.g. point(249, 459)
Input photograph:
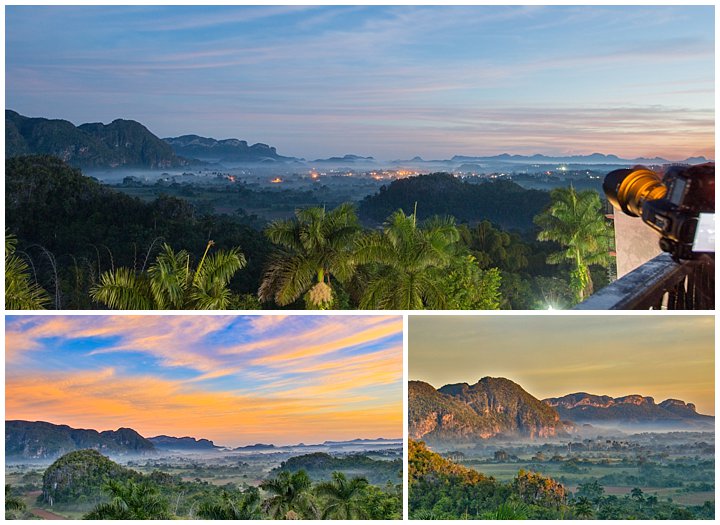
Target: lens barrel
point(627, 189)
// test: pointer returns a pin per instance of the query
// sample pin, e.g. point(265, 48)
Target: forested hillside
point(442, 489)
point(89, 246)
point(503, 203)
point(73, 228)
point(122, 143)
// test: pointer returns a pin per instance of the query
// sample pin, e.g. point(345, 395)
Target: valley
point(588, 456)
point(672, 466)
point(194, 476)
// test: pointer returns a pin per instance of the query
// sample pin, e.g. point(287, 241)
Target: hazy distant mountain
point(352, 442)
point(347, 159)
point(594, 158)
point(581, 407)
point(482, 163)
point(182, 443)
point(491, 407)
point(127, 143)
point(41, 440)
point(227, 150)
point(256, 446)
point(360, 442)
point(120, 144)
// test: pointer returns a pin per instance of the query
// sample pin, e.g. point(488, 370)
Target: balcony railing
point(659, 284)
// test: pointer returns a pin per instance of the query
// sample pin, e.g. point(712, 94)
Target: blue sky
point(392, 82)
point(234, 379)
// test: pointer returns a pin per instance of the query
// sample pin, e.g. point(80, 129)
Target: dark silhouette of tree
point(21, 293)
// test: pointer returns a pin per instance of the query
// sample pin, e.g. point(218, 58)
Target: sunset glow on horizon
point(236, 380)
point(388, 81)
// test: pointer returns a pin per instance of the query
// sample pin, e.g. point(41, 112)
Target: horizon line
point(419, 157)
point(300, 443)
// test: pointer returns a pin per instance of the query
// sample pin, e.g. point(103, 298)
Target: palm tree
point(583, 508)
point(403, 261)
point(21, 293)
point(131, 501)
point(12, 503)
point(576, 222)
point(290, 496)
point(343, 497)
point(170, 282)
point(637, 494)
point(244, 507)
point(509, 510)
point(316, 246)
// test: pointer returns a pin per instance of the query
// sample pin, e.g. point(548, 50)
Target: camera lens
point(627, 189)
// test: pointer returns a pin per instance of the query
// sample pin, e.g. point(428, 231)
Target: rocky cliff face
point(491, 407)
point(581, 407)
point(679, 407)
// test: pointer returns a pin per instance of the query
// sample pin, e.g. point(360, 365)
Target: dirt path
point(41, 513)
point(46, 515)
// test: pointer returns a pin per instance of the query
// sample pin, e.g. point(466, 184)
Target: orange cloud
point(105, 400)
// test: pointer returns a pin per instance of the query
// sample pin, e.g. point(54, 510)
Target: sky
point(236, 380)
point(550, 356)
point(385, 81)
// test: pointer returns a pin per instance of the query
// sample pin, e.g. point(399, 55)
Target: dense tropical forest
point(72, 243)
point(84, 484)
point(443, 489)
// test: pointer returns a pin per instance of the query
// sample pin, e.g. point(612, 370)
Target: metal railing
point(659, 284)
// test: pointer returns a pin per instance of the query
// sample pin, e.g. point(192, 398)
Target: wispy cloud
point(209, 373)
point(385, 79)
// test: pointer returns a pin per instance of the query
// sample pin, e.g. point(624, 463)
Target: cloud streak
point(365, 77)
point(232, 377)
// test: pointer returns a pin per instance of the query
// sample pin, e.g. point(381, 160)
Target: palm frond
point(121, 289)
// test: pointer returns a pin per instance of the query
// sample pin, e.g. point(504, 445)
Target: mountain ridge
point(225, 150)
point(126, 143)
point(492, 407)
point(582, 407)
point(182, 443)
point(120, 144)
point(43, 440)
point(499, 407)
